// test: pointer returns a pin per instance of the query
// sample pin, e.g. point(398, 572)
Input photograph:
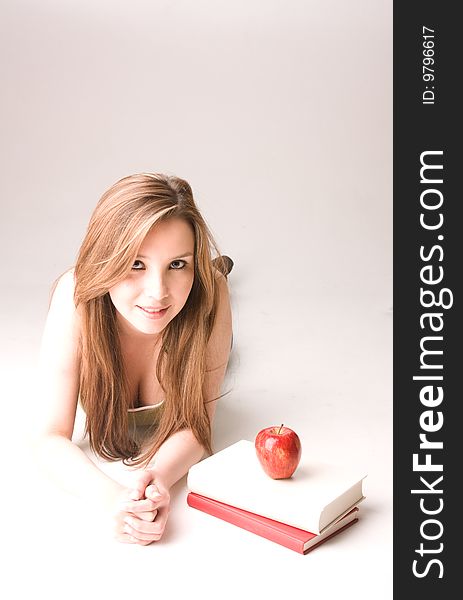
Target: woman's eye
point(137, 265)
point(181, 264)
point(176, 265)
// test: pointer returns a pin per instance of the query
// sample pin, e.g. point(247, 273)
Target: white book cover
point(315, 496)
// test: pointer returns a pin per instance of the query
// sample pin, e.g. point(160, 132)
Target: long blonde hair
point(118, 225)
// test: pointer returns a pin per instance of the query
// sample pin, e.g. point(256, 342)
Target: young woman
point(139, 332)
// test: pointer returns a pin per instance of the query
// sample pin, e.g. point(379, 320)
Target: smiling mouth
point(154, 313)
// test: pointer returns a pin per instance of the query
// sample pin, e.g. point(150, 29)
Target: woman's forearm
point(175, 457)
point(65, 463)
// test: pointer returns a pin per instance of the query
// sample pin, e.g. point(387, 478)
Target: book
point(316, 495)
point(292, 537)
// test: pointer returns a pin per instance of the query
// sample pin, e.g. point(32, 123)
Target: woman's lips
point(152, 314)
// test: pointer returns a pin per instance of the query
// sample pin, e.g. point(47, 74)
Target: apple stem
point(280, 429)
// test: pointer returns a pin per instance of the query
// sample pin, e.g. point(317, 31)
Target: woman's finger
point(147, 531)
point(141, 530)
point(137, 506)
point(125, 538)
point(139, 526)
point(146, 516)
point(161, 518)
point(140, 536)
point(152, 492)
point(160, 497)
point(143, 480)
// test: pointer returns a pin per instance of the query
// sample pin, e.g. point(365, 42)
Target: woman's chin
point(141, 326)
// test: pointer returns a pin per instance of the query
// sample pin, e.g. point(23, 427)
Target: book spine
point(328, 537)
point(227, 513)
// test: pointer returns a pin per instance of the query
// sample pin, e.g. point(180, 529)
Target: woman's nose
point(156, 286)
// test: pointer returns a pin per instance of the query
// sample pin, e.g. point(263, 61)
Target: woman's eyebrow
point(175, 258)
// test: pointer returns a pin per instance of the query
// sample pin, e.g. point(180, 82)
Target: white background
point(280, 117)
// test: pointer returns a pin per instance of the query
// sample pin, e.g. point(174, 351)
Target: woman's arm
point(53, 449)
point(59, 367)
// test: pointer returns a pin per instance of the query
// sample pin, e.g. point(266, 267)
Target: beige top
point(145, 416)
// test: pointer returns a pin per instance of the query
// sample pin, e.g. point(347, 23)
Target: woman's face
point(161, 278)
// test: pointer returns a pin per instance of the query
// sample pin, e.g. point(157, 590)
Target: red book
point(293, 538)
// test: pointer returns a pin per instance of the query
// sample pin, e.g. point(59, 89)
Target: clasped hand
point(143, 511)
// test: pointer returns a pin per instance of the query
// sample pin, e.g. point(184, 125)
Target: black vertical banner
point(428, 250)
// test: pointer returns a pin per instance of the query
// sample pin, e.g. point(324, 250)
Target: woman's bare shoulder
point(61, 297)
point(63, 317)
point(63, 286)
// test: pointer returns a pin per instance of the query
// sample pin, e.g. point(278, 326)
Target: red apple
point(278, 450)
